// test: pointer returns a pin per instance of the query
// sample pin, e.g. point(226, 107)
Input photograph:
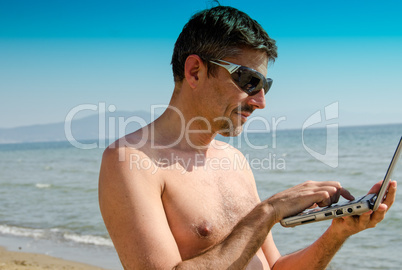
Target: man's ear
point(194, 70)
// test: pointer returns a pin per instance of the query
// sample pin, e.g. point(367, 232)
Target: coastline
point(22, 260)
point(19, 252)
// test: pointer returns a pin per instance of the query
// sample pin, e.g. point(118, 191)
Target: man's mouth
point(244, 112)
point(244, 115)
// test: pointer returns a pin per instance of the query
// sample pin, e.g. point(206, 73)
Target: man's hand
point(350, 225)
point(319, 254)
point(298, 198)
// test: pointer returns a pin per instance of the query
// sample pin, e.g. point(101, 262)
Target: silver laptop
point(355, 207)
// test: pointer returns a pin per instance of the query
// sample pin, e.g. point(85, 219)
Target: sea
point(49, 192)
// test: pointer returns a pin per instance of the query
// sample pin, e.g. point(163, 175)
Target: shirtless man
point(173, 198)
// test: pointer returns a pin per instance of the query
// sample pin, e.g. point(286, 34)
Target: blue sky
point(56, 55)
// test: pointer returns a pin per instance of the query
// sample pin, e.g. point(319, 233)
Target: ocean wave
point(18, 231)
point(88, 239)
point(55, 234)
point(40, 185)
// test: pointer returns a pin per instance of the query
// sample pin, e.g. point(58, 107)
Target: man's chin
point(231, 133)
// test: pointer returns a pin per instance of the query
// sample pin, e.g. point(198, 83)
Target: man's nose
point(257, 100)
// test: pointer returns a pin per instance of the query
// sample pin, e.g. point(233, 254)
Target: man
point(164, 201)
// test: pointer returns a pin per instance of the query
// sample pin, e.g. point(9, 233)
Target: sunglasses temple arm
point(228, 66)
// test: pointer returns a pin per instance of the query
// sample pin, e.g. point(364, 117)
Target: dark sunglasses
point(248, 79)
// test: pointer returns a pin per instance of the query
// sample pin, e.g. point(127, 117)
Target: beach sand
point(10, 260)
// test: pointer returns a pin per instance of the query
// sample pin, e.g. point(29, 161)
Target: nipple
point(204, 229)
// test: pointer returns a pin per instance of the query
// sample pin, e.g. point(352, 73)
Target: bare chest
point(202, 207)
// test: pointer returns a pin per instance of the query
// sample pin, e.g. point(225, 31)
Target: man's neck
point(178, 128)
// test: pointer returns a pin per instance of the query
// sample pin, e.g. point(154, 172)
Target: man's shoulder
point(125, 162)
point(120, 154)
point(120, 150)
point(135, 142)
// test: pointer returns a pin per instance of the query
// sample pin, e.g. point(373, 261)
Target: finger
point(367, 215)
point(314, 205)
point(391, 193)
point(324, 199)
point(329, 193)
point(365, 219)
point(377, 216)
point(340, 191)
point(359, 221)
point(376, 187)
point(346, 194)
point(335, 198)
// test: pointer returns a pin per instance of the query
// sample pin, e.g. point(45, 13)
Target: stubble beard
point(233, 126)
point(230, 130)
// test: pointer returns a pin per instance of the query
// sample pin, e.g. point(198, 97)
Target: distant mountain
point(93, 127)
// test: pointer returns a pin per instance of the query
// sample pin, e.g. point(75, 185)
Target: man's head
point(219, 33)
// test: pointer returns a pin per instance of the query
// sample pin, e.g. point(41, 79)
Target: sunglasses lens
point(268, 85)
point(251, 81)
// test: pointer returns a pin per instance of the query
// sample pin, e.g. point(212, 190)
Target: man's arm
point(316, 256)
point(131, 207)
